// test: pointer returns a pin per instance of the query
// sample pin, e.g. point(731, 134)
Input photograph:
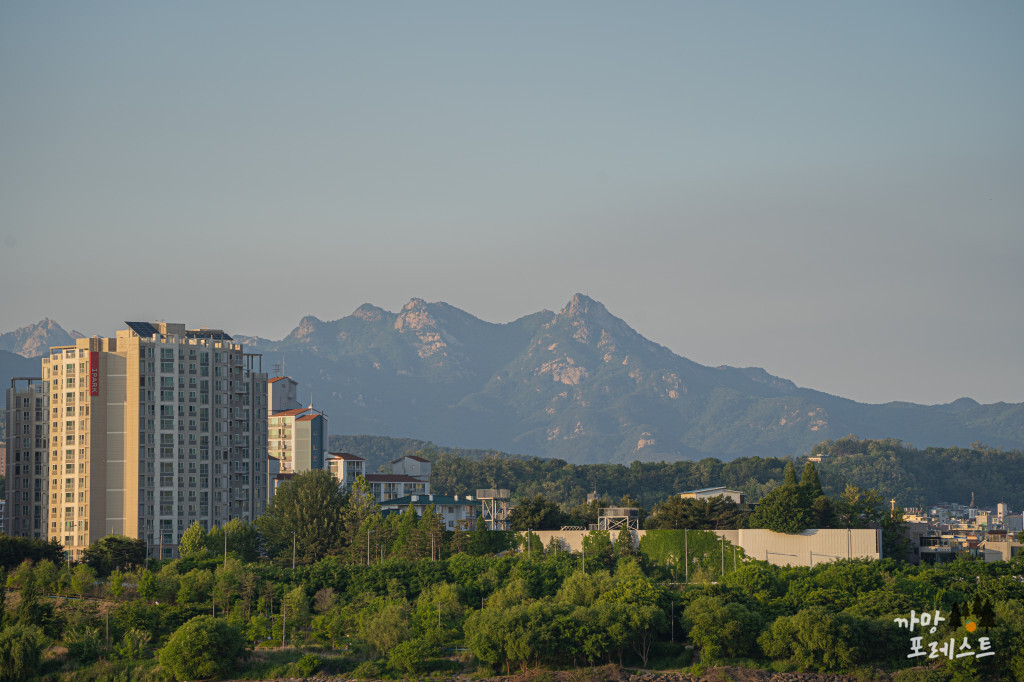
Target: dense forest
point(324, 582)
point(895, 470)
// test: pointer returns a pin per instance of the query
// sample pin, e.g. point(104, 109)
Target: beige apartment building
point(27, 469)
point(152, 430)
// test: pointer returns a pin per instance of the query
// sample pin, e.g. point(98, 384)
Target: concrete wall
point(811, 547)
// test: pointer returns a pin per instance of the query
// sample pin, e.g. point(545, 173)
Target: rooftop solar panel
point(143, 329)
point(208, 334)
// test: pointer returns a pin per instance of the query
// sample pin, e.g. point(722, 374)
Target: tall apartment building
point(152, 430)
point(28, 458)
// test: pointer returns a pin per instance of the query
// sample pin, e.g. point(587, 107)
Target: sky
point(831, 191)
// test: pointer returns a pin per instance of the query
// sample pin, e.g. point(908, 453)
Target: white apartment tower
point(28, 457)
point(152, 430)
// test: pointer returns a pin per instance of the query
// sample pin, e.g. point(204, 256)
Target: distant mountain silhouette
point(34, 340)
point(582, 385)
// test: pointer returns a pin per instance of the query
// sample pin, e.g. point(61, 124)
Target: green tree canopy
point(243, 540)
point(15, 550)
point(115, 551)
point(193, 542)
point(309, 508)
point(716, 513)
point(536, 514)
point(721, 629)
point(786, 509)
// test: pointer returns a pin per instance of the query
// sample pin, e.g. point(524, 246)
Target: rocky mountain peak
point(307, 325)
point(415, 315)
point(369, 312)
point(34, 340)
point(581, 305)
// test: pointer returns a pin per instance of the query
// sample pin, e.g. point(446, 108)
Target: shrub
point(367, 670)
point(203, 647)
point(307, 665)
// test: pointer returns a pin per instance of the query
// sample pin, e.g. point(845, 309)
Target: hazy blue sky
point(831, 191)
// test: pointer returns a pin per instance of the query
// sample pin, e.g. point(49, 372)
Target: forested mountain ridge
point(911, 476)
point(582, 385)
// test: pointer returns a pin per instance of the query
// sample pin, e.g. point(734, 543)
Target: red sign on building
point(94, 373)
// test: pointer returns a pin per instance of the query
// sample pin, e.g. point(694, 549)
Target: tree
point(21, 649)
point(203, 647)
point(115, 585)
point(431, 529)
point(309, 508)
point(716, 513)
point(624, 544)
point(193, 542)
point(536, 514)
point(721, 629)
point(599, 551)
point(115, 551)
point(13, 551)
point(359, 507)
point(809, 479)
point(786, 509)
point(195, 586)
point(385, 628)
point(790, 474)
point(83, 579)
point(243, 540)
point(859, 508)
point(895, 543)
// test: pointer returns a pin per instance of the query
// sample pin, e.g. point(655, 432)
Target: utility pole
point(583, 542)
point(686, 552)
point(224, 528)
point(723, 556)
point(529, 543)
point(293, 550)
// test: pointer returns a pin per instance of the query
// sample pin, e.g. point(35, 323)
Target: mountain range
point(578, 384)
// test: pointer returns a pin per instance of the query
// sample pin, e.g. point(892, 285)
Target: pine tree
point(624, 544)
point(809, 479)
point(790, 474)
